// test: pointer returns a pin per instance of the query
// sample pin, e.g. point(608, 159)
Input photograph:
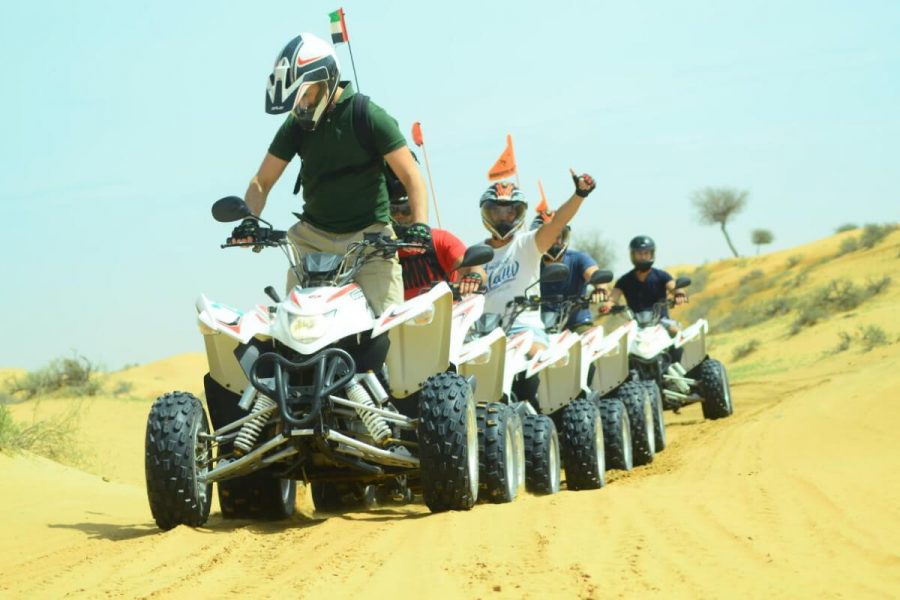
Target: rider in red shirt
point(422, 269)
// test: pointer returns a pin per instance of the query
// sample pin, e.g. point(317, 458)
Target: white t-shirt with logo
point(515, 266)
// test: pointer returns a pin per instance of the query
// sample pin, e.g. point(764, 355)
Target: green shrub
point(808, 316)
point(876, 286)
point(740, 317)
point(794, 260)
point(872, 336)
point(53, 438)
point(848, 245)
point(700, 308)
point(744, 350)
point(752, 276)
point(843, 345)
point(873, 234)
point(75, 375)
point(122, 387)
point(846, 227)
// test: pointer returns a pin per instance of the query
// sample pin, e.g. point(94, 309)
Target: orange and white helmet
point(503, 209)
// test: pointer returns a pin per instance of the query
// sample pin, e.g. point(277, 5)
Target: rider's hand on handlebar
point(680, 297)
point(599, 295)
point(470, 283)
point(584, 184)
point(417, 233)
point(606, 307)
point(245, 233)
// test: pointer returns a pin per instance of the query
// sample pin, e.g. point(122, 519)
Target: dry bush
point(53, 438)
point(846, 227)
point(794, 260)
point(76, 375)
point(744, 350)
point(872, 336)
point(873, 234)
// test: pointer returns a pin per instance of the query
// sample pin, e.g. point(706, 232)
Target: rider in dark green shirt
point(344, 190)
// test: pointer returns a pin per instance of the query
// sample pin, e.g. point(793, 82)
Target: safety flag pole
point(339, 35)
point(506, 164)
point(420, 142)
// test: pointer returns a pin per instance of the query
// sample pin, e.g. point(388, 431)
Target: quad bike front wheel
point(334, 497)
point(499, 444)
point(542, 463)
point(659, 424)
point(616, 434)
point(714, 389)
point(640, 415)
point(176, 459)
point(448, 443)
point(582, 445)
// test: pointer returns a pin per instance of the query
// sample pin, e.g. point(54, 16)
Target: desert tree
point(716, 206)
point(593, 243)
point(761, 237)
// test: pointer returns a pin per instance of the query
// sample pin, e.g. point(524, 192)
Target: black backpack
point(365, 135)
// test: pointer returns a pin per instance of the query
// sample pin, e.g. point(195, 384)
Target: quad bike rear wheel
point(542, 464)
point(331, 497)
point(176, 459)
point(715, 389)
point(640, 415)
point(448, 443)
point(257, 496)
point(582, 445)
point(499, 445)
point(616, 434)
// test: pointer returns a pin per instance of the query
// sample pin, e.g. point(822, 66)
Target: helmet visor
point(502, 218)
point(310, 103)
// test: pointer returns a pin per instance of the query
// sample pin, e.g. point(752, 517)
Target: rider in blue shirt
point(581, 267)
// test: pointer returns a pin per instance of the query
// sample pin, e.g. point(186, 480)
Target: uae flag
point(338, 27)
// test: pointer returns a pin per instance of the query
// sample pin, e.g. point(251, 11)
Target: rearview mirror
point(479, 254)
point(229, 209)
point(601, 276)
point(682, 282)
point(555, 273)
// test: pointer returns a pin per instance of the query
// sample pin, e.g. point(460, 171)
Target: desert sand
point(796, 495)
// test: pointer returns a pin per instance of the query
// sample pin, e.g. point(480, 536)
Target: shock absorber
point(250, 430)
point(376, 424)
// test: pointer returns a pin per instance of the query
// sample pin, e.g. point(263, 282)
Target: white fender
point(485, 358)
point(221, 318)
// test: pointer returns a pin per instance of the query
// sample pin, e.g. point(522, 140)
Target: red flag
point(506, 164)
point(417, 134)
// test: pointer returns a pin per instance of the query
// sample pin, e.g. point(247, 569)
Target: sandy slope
point(796, 495)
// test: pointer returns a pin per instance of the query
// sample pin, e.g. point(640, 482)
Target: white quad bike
point(678, 370)
point(495, 360)
point(627, 411)
point(318, 406)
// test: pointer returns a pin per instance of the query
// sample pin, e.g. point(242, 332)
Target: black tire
point(257, 496)
point(331, 497)
point(542, 460)
point(448, 443)
point(714, 389)
point(498, 453)
point(582, 446)
point(616, 434)
point(640, 416)
point(659, 423)
point(175, 458)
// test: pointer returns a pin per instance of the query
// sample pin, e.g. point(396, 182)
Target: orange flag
point(506, 164)
point(542, 206)
point(417, 134)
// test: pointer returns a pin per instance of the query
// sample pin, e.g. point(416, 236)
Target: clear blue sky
point(123, 121)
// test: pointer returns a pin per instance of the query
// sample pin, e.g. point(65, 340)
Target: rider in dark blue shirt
point(644, 286)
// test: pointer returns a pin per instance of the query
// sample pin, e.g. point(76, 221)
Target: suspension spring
point(250, 430)
point(376, 424)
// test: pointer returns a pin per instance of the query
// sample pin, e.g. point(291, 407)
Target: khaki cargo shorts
point(381, 279)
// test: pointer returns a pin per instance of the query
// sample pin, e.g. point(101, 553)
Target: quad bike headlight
point(309, 328)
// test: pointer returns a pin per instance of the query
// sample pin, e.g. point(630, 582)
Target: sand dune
point(796, 495)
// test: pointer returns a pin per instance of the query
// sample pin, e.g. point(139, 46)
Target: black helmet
point(558, 248)
point(642, 242)
point(307, 65)
point(499, 199)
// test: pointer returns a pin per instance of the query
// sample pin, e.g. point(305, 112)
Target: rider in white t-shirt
point(517, 254)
